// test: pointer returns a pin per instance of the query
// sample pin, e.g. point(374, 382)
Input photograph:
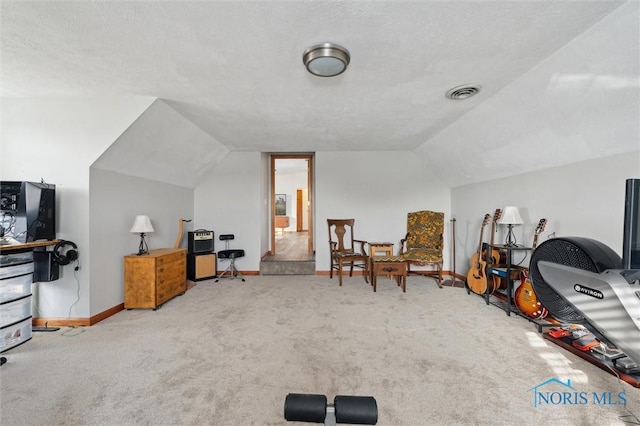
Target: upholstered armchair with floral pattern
point(423, 244)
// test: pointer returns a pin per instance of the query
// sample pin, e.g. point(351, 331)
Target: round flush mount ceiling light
point(463, 92)
point(326, 59)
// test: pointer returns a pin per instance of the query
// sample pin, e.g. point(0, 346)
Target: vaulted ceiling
point(559, 80)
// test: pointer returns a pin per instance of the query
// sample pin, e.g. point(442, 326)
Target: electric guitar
point(525, 297)
point(477, 277)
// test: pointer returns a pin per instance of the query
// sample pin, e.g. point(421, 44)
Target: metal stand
point(45, 328)
point(230, 271)
point(230, 255)
point(453, 282)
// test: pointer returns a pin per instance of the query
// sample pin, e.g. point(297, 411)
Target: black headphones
point(65, 258)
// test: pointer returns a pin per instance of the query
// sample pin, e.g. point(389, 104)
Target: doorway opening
point(292, 207)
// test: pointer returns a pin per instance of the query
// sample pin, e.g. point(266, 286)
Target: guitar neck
point(541, 225)
point(535, 243)
point(479, 251)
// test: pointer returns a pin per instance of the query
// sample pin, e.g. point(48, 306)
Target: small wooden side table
point(380, 249)
point(390, 266)
point(376, 248)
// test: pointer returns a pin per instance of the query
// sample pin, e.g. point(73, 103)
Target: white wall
point(584, 199)
point(115, 201)
point(378, 189)
point(382, 188)
point(57, 140)
point(265, 205)
point(230, 200)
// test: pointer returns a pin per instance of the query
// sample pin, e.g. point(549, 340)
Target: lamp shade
point(510, 216)
point(141, 225)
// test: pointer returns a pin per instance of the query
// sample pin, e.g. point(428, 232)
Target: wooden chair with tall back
point(345, 249)
point(423, 243)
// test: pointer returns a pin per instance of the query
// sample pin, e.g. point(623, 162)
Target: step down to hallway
point(288, 267)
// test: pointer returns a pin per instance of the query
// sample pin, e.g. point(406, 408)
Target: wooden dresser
point(152, 279)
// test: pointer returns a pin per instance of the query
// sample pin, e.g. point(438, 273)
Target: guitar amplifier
point(200, 241)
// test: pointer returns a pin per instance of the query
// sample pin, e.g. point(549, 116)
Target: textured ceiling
point(234, 69)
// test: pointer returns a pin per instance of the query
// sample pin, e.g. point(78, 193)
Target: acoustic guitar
point(477, 277)
point(525, 297)
point(495, 254)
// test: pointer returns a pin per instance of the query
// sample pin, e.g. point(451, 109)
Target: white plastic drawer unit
point(19, 258)
point(15, 288)
point(15, 311)
point(14, 335)
point(16, 270)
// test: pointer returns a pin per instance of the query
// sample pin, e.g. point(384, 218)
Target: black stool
point(231, 255)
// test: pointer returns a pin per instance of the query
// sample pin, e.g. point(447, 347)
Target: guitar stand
point(360, 410)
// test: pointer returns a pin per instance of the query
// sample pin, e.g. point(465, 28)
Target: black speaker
point(201, 266)
point(62, 257)
point(44, 268)
point(200, 241)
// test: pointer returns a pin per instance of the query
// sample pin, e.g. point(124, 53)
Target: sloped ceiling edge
point(162, 145)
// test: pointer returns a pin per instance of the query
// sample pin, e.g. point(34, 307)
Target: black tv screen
point(631, 236)
point(28, 211)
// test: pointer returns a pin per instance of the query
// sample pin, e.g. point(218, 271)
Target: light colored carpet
point(228, 353)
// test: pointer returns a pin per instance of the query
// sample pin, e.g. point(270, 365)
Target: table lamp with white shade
point(510, 216)
point(142, 226)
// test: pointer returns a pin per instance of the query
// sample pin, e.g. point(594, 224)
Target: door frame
point(309, 158)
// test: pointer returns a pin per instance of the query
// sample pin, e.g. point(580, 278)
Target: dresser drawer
point(16, 258)
point(171, 270)
point(172, 281)
point(169, 291)
point(15, 335)
point(167, 259)
point(15, 288)
point(16, 270)
point(16, 311)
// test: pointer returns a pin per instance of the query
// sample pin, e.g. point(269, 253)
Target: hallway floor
point(291, 256)
point(292, 246)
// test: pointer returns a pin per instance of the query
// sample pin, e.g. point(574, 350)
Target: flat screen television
point(631, 236)
point(28, 210)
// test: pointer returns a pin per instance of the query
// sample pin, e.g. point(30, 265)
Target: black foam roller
point(300, 407)
point(357, 410)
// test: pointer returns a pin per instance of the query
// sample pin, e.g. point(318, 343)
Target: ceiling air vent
point(463, 92)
